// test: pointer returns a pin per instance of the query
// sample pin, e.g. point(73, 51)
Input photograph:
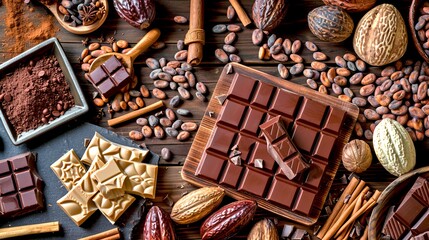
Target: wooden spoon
point(79, 29)
point(128, 58)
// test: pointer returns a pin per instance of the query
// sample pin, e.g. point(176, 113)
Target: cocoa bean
point(372, 115)
point(142, 121)
point(386, 72)
point(159, 132)
point(296, 69)
point(171, 132)
point(323, 89)
point(415, 123)
point(262, 53)
point(179, 79)
point(395, 104)
point(93, 46)
point(414, 88)
point(147, 131)
point(161, 84)
point(200, 96)
point(191, 78)
point(86, 59)
point(319, 56)
point(271, 39)
point(287, 46)
point(361, 118)
point(169, 113)
point(422, 91)
point(396, 75)
point(372, 127)
point(180, 71)
point(416, 112)
point(319, 66)
point(165, 122)
point(154, 74)
point(152, 63)
point(98, 102)
point(411, 133)
point(382, 110)
point(340, 81)
point(405, 84)
point(399, 95)
point(311, 83)
point(402, 119)
point(358, 130)
point(359, 101)
point(276, 48)
point(229, 48)
point(311, 46)
point(372, 101)
point(164, 76)
point(181, 55)
point(400, 111)
point(296, 58)
point(189, 126)
point(158, 93)
point(115, 47)
point(177, 124)
point(153, 121)
point(175, 101)
point(173, 64)
point(386, 85)
point(420, 135)
point(356, 78)
point(337, 89)
point(85, 53)
point(368, 134)
point(184, 93)
point(343, 72)
point(383, 99)
point(183, 136)
point(144, 91)
point(183, 112)
point(97, 53)
point(201, 88)
point(280, 57)
point(296, 46)
point(284, 73)
point(169, 70)
point(345, 98)
point(234, 58)
point(115, 105)
point(351, 66)
point(368, 79)
point(425, 109)
point(221, 55)
point(395, 88)
point(367, 90)
point(140, 102)
point(350, 57)
point(123, 105)
point(257, 37)
point(185, 67)
point(340, 61)
point(122, 43)
point(219, 28)
point(360, 65)
point(348, 92)
point(135, 135)
point(230, 38)
point(308, 73)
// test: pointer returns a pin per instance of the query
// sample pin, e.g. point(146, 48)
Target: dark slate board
point(49, 147)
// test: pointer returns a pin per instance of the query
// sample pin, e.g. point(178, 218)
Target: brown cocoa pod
point(367, 90)
point(402, 119)
point(400, 111)
point(228, 220)
point(324, 79)
point(371, 114)
point(221, 55)
point(183, 136)
point(382, 110)
point(340, 81)
point(319, 56)
point(358, 130)
point(280, 57)
point(257, 37)
point(356, 78)
point(416, 112)
point(340, 61)
point(386, 85)
point(319, 66)
point(98, 102)
point(395, 104)
point(343, 72)
point(359, 101)
point(158, 93)
point(383, 99)
point(422, 91)
point(368, 79)
point(296, 46)
point(263, 230)
point(158, 225)
point(323, 89)
point(336, 89)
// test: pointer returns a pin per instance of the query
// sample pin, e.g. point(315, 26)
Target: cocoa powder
point(35, 93)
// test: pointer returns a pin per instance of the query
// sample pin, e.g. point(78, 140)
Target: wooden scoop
point(128, 58)
point(79, 29)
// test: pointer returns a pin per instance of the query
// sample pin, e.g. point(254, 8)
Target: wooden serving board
point(207, 124)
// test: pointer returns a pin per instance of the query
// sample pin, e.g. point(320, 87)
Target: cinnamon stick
point(242, 15)
point(104, 235)
point(195, 38)
point(134, 114)
point(349, 190)
point(29, 230)
point(114, 237)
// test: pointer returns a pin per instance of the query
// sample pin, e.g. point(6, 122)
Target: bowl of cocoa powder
point(38, 92)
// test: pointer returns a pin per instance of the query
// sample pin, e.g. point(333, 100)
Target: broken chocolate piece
point(221, 98)
point(259, 163)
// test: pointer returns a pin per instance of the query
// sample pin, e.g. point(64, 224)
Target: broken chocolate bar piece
point(282, 149)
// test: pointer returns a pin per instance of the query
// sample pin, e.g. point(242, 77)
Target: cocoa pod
point(158, 225)
point(267, 15)
point(263, 230)
point(196, 205)
point(228, 220)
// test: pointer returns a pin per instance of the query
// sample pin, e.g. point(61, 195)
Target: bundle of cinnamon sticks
point(351, 209)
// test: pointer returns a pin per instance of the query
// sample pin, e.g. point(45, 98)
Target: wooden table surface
point(294, 27)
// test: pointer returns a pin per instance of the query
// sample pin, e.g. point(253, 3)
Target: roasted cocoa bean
point(381, 80)
point(383, 99)
point(165, 122)
point(123, 105)
point(169, 70)
point(372, 101)
point(98, 102)
point(382, 110)
point(185, 94)
point(201, 88)
point(422, 91)
point(159, 132)
point(416, 112)
point(402, 119)
point(400, 111)
point(396, 75)
point(152, 63)
point(361, 118)
point(229, 48)
point(337, 89)
point(174, 64)
point(171, 132)
point(319, 56)
point(296, 58)
point(154, 74)
point(183, 112)
point(387, 71)
point(323, 89)
point(395, 104)
point(287, 46)
point(189, 126)
point(283, 71)
point(179, 79)
point(161, 84)
point(359, 101)
point(345, 98)
point(358, 130)
point(425, 109)
point(164, 76)
point(343, 72)
point(386, 85)
point(276, 48)
point(183, 136)
point(311, 83)
point(395, 87)
point(271, 39)
point(331, 74)
point(93, 46)
point(169, 113)
point(367, 90)
point(371, 114)
point(135, 135)
point(399, 95)
point(340, 61)
point(144, 91)
point(175, 101)
point(319, 66)
point(368, 79)
point(348, 92)
point(177, 124)
point(296, 46)
point(360, 65)
point(349, 57)
point(158, 93)
point(340, 81)
point(351, 66)
point(191, 78)
point(368, 134)
point(221, 55)
point(324, 79)
point(142, 121)
point(257, 37)
point(356, 78)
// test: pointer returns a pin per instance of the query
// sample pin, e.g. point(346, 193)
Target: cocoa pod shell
point(138, 13)
point(228, 220)
point(268, 14)
point(158, 225)
point(196, 205)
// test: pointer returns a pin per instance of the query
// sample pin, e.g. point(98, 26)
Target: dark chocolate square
point(273, 129)
point(285, 102)
point(304, 201)
point(422, 225)
point(107, 87)
point(304, 137)
point(252, 121)
point(408, 210)
point(422, 190)
point(4, 167)
point(311, 112)
point(315, 174)
point(112, 64)
point(19, 163)
point(9, 204)
point(98, 75)
point(284, 147)
point(261, 152)
point(394, 228)
point(6, 185)
point(31, 198)
point(231, 114)
point(254, 181)
point(221, 140)
point(231, 175)
point(335, 120)
point(278, 189)
point(242, 87)
point(210, 167)
point(245, 145)
point(121, 77)
point(262, 95)
point(24, 180)
point(324, 146)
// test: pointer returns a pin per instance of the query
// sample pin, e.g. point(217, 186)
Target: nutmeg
point(357, 156)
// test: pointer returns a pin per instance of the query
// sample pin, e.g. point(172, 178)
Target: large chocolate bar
point(282, 149)
point(110, 77)
point(411, 218)
point(21, 188)
point(319, 127)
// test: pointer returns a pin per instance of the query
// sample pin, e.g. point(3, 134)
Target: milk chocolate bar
point(69, 169)
point(106, 150)
point(282, 149)
point(110, 77)
point(21, 188)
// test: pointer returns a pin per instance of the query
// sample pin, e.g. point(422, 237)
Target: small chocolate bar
point(69, 169)
point(21, 188)
point(110, 77)
point(282, 149)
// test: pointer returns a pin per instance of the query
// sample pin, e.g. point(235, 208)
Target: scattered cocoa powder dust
point(24, 27)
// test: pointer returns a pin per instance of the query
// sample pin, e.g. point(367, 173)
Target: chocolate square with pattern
point(4, 167)
point(210, 167)
point(221, 140)
point(273, 129)
point(278, 189)
point(408, 210)
point(422, 225)
point(252, 121)
point(24, 180)
point(231, 114)
point(422, 190)
point(304, 137)
point(231, 175)
point(254, 181)
point(393, 224)
point(304, 201)
point(285, 102)
point(324, 146)
point(261, 152)
point(6, 185)
point(315, 174)
point(262, 95)
point(335, 120)
point(242, 87)
point(285, 148)
point(311, 112)
point(245, 145)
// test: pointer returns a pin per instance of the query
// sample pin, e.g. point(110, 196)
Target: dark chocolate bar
point(21, 188)
point(282, 149)
point(110, 77)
